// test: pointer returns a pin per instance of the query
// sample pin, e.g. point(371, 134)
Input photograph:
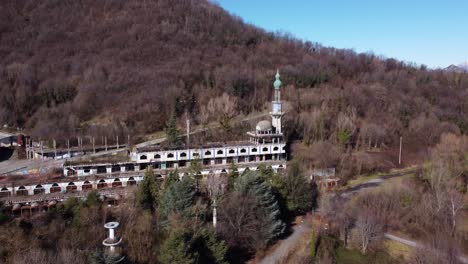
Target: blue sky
point(434, 33)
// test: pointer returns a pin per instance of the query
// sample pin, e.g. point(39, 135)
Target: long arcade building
point(265, 146)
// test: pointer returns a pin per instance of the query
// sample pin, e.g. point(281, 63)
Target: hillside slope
point(127, 65)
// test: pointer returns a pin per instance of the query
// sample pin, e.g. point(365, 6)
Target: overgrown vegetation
point(168, 221)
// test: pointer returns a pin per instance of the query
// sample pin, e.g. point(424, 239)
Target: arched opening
point(71, 187)
point(157, 156)
point(131, 181)
point(116, 183)
point(231, 151)
point(4, 192)
point(183, 155)
point(207, 153)
point(219, 152)
point(254, 150)
point(101, 184)
point(38, 189)
point(143, 157)
point(22, 191)
point(55, 188)
point(170, 155)
point(280, 168)
point(275, 149)
point(265, 149)
point(71, 172)
point(243, 150)
point(87, 186)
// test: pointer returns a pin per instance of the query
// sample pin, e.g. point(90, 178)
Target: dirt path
point(287, 244)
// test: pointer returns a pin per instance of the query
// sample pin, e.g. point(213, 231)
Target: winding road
point(286, 245)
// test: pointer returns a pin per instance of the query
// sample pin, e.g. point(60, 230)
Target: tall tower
point(277, 107)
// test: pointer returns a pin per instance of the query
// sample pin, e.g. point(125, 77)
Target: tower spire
point(277, 82)
point(277, 107)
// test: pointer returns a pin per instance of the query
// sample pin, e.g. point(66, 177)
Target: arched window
point(38, 186)
point(86, 186)
point(116, 179)
point(55, 188)
point(131, 181)
point(254, 150)
point(21, 188)
point(220, 152)
point(265, 149)
point(170, 155)
point(183, 154)
point(275, 149)
point(231, 151)
point(243, 150)
point(4, 189)
point(71, 184)
point(143, 157)
point(157, 156)
point(207, 153)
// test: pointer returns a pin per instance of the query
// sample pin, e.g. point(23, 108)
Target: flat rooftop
point(197, 146)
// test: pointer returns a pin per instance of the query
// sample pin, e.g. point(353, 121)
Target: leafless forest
point(126, 66)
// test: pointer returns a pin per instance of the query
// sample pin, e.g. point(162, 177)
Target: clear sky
point(431, 32)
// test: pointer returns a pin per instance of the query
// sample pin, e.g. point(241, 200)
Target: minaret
point(277, 107)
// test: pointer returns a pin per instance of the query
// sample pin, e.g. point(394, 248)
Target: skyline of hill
point(125, 66)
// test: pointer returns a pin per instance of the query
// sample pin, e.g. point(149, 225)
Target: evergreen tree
point(210, 248)
point(266, 172)
point(251, 183)
point(194, 171)
point(178, 249)
point(171, 178)
point(148, 191)
point(232, 176)
point(178, 198)
point(183, 246)
point(297, 190)
point(172, 133)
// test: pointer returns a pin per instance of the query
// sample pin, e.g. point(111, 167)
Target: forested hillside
point(72, 65)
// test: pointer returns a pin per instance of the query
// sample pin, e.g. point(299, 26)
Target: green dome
point(277, 83)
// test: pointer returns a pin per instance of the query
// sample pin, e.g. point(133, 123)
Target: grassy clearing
point(354, 256)
point(365, 178)
point(398, 250)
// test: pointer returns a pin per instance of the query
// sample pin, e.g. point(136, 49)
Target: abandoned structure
point(265, 146)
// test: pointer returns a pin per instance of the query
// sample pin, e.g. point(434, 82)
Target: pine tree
point(297, 190)
point(172, 133)
point(251, 183)
point(178, 198)
point(148, 191)
point(178, 249)
point(232, 176)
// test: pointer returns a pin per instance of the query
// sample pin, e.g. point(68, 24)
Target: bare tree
point(216, 187)
point(369, 230)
